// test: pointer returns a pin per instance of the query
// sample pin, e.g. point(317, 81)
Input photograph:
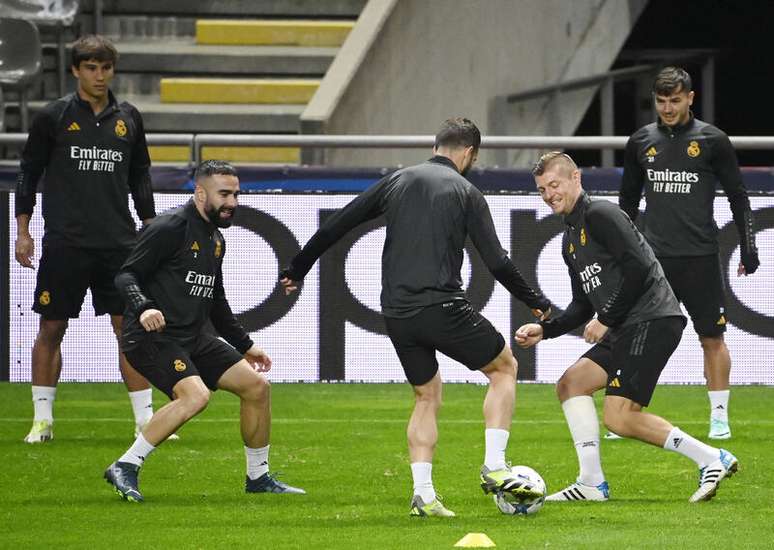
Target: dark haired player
point(93, 153)
point(173, 286)
point(430, 209)
point(679, 161)
point(637, 327)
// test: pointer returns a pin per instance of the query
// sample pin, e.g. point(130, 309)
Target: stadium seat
point(20, 59)
point(47, 14)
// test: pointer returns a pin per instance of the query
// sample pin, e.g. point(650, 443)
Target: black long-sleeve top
point(679, 167)
point(176, 268)
point(613, 271)
point(430, 209)
point(91, 164)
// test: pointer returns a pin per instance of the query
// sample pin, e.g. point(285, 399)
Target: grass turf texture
point(345, 444)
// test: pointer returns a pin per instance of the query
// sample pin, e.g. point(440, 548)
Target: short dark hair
point(93, 46)
point(549, 159)
point(210, 168)
point(458, 132)
point(672, 80)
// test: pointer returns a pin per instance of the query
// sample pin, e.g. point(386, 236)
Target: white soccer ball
point(514, 504)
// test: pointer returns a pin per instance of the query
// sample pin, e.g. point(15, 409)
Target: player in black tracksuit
point(638, 325)
point(92, 151)
point(679, 161)
point(430, 209)
point(173, 286)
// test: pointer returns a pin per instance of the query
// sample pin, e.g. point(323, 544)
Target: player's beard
point(214, 216)
point(464, 171)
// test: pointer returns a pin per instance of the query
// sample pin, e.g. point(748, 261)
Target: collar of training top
point(440, 159)
point(111, 106)
point(677, 128)
point(192, 212)
point(573, 217)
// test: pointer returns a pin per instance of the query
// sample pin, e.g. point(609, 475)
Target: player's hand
point(528, 335)
point(258, 359)
point(594, 332)
point(542, 315)
point(289, 284)
point(152, 319)
point(25, 250)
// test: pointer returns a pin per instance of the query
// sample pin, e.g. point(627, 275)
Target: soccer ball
point(514, 505)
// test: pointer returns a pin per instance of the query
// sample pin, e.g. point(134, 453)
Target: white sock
point(496, 441)
point(582, 420)
point(257, 461)
point(138, 452)
point(43, 402)
point(142, 405)
point(422, 472)
point(682, 443)
point(719, 404)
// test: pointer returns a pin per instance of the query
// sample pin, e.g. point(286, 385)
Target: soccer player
point(93, 152)
point(679, 160)
point(430, 209)
point(173, 285)
point(637, 327)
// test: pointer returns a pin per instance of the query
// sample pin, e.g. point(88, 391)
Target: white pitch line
point(401, 421)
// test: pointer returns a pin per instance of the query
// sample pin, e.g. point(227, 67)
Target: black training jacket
point(176, 268)
point(91, 164)
point(612, 270)
point(680, 167)
point(429, 209)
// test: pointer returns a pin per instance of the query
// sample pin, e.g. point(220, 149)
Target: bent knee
point(196, 401)
point(258, 390)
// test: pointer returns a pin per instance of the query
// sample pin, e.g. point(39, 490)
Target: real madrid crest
point(583, 236)
point(120, 128)
point(218, 247)
point(179, 365)
point(45, 298)
point(693, 149)
point(571, 249)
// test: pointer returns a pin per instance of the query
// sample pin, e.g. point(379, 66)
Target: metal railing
point(196, 141)
point(605, 82)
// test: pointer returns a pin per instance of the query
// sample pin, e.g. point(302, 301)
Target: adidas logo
point(722, 320)
point(195, 246)
point(676, 441)
point(720, 407)
point(615, 383)
point(73, 127)
point(652, 152)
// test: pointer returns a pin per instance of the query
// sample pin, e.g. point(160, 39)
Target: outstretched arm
point(366, 206)
point(482, 232)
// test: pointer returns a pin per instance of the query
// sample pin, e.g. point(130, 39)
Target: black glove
point(750, 261)
point(287, 273)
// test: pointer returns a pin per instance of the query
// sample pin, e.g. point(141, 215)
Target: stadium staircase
point(216, 66)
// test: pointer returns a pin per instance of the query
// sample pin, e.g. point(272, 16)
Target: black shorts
point(634, 356)
point(698, 284)
point(165, 362)
point(64, 274)
point(454, 328)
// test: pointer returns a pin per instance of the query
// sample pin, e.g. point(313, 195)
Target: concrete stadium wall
point(409, 64)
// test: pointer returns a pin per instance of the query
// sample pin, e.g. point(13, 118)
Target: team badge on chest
point(693, 149)
point(120, 128)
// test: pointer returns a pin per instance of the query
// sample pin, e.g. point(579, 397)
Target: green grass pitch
point(345, 444)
